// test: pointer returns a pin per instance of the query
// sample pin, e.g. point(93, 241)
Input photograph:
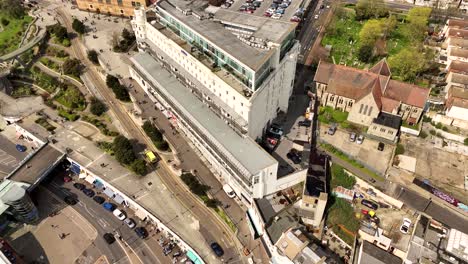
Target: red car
point(67, 179)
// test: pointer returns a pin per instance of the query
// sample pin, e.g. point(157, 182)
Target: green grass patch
point(226, 219)
point(106, 146)
point(340, 34)
point(11, 35)
point(353, 162)
point(22, 91)
point(397, 39)
point(68, 114)
point(415, 126)
point(341, 214)
point(46, 82)
point(43, 122)
point(71, 97)
point(329, 115)
point(340, 178)
point(100, 125)
point(50, 64)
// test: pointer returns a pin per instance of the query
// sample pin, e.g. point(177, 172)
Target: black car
point(70, 200)
point(109, 238)
point(88, 192)
point(294, 156)
point(305, 123)
point(217, 249)
point(99, 199)
point(141, 232)
point(79, 186)
point(369, 204)
point(381, 146)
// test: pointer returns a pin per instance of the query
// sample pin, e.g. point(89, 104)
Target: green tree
point(78, 26)
point(58, 31)
point(212, 203)
point(365, 53)
point(162, 145)
point(400, 149)
point(389, 25)
point(97, 107)
point(138, 166)
point(370, 8)
point(152, 132)
point(465, 142)
point(123, 150)
point(418, 18)
point(72, 67)
point(93, 56)
point(409, 63)
point(371, 31)
point(4, 21)
point(13, 8)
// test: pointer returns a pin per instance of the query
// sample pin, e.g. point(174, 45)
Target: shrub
point(444, 128)
point(78, 26)
point(423, 134)
point(465, 142)
point(138, 166)
point(400, 149)
point(212, 203)
point(72, 67)
point(123, 150)
point(97, 107)
point(152, 132)
point(365, 53)
point(5, 21)
point(162, 145)
point(66, 42)
point(432, 132)
point(438, 125)
point(426, 119)
point(119, 90)
point(93, 56)
point(194, 185)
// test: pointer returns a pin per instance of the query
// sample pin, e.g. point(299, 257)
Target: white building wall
point(458, 113)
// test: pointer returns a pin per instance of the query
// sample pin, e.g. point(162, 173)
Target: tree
point(123, 150)
point(97, 107)
point(78, 26)
point(13, 8)
point(389, 24)
point(152, 132)
point(93, 56)
point(111, 80)
point(126, 34)
point(72, 67)
point(409, 63)
point(4, 21)
point(162, 145)
point(465, 142)
point(370, 8)
point(418, 18)
point(371, 31)
point(138, 166)
point(119, 90)
point(212, 203)
point(365, 53)
point(58, 31)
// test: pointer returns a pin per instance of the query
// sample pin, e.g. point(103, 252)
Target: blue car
point(108, 206)
point(20, 148)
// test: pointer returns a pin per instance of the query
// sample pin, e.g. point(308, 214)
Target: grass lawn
point(342, 220)
point(22, 91)
point(341, 178)
point(50, 64)
point(72, 98)
point(46, 82)
point(329, 115)
point(397, 40)
point(11, 35)
point(345, 31)
point(353, 162)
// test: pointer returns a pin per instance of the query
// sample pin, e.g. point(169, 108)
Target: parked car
point(360, 139)
point(67, 179)
point(381, 146)
point(306, 122)
point(268, 14)
point(141, 232)
point(276, 130)
point(70, 200)
point(20, 148)
point(369, 204)
point(276, 16)
point(404, 228)
point(79, 186)
point(295, 19)
point(109, 238)
point(229, 191)
point(89, 192)
point(119, 214)
point(109, 206)
point(130, 222)
point(352, 137)
point(294, 156)
point(332, 129)
point(217, 249)
point(99, 199)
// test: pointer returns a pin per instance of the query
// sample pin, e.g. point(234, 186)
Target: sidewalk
point(192, 161)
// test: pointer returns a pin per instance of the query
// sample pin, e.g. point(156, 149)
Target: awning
point(119, 199)
point(140, 214)
point(89, 179)
point(159, 106)
point(109, 192)
point(99, 185)
point(254, 221)
point(193, 257)
point(167, 114)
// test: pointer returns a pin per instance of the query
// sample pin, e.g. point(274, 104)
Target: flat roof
point(245, 150)
point(371, 254)
point(214, 31)
point(388, 120)
point(316, 180)
point(39, 164)
point(10, 157)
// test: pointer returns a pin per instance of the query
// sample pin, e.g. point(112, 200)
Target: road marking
point(102, 223)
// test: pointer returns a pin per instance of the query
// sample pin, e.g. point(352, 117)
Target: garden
point(362, 34)
point(342, 219)
point(13, 24)
point(339, 177)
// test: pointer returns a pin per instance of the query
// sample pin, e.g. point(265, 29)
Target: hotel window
point(350, 104)
point(332, 98)
point(415, 110)
point(390, 132)
point(382, 130)
point(370, 111)
point(90, 6)
point(375, 127)
point(119, 2)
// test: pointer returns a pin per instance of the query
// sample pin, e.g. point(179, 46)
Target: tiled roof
point(324, 71)
point(381, 68)
point(458, 67)
point(351, 83)
point(458, 33)
point(460, 23)
point(407, 93)
point(389, 105)
point(457, 52)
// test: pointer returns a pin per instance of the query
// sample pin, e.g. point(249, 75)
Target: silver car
point(352, 137)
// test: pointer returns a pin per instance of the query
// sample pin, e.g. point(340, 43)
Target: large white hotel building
point(224, 76)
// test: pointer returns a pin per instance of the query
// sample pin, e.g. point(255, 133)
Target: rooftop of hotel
point(265, 32)
point(246, 151)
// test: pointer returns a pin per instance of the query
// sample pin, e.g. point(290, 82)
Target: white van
point(229, 191)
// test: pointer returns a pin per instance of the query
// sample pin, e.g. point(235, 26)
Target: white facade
point(256, 111)
point(458, 113)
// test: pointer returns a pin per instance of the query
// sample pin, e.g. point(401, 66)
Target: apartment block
point(111, 7)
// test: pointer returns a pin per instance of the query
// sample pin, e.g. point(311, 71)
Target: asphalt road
point(207, 217)
point(105, 222)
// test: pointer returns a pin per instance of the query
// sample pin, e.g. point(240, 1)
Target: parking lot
point(10, 157)
point(265, 5)
point(366, 153)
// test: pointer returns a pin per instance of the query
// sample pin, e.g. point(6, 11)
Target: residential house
point(111, 7)
point(365, 94)
point(455, 42)
point(295, 247)
point(457, 75)
point(371, 254)
point(456, 105)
